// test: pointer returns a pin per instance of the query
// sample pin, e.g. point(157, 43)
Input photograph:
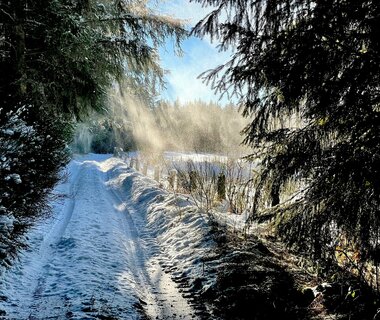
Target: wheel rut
point(95, 258)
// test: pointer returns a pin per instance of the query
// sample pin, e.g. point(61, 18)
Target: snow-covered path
point(95, 257)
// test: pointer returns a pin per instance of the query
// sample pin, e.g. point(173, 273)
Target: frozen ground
point(112, 248)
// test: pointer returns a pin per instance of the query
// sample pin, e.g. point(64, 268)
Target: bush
point(31, 157)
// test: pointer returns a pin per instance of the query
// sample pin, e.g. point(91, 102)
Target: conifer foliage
point(307, 72)
point(57, 60)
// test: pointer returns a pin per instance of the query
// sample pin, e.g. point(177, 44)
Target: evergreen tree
point(58, 58)
point(307, 72)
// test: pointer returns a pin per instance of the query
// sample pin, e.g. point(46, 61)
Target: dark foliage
point(308, 74)
point(57, 60)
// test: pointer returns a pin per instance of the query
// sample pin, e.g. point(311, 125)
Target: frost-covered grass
point(198, 174)
point(223, 186)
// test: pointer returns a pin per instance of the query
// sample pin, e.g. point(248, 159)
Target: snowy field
point(117, 246)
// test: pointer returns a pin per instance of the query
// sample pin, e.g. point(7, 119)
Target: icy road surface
point(93, 258)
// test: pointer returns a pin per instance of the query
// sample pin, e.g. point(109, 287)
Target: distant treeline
point(193, 126)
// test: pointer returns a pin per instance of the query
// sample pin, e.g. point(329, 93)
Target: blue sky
point(199, 56)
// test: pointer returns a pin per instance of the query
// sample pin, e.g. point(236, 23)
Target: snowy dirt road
point(94, 258)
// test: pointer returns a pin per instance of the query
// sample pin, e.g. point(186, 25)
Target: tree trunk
point(275, 194)
point(18, 48)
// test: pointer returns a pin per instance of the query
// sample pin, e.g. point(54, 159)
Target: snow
point(15, 177)
point(8, 132)
point(234, 222)
point(113, 246)
point(182, 230)
point(6, 222)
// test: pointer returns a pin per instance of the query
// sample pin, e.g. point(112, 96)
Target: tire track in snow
point(80, 276)
point(95, 258)
point(25, 281)
point(53, 238)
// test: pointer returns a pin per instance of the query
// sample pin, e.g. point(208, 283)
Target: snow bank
point(182, 231)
